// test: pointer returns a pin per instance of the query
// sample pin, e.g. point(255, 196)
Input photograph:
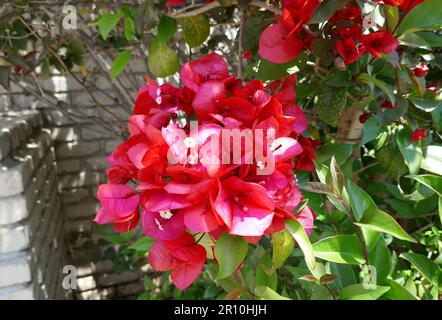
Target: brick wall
point(80, 146)
point(32, 246)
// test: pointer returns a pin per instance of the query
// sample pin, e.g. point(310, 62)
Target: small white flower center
point(166, 214)
point(189, 142)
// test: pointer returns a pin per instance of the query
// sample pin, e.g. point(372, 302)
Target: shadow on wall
point(74, 162)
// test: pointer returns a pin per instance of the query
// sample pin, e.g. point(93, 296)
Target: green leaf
point(298, 233)
point(426, 267)
point(326, 9)
point(337, 176)
point(162, 60)
point(317, 187)
point(362, 292)
point(268, 294)
point(267, 70)
point(340, 249)
point(380, 258)
point(366, 78)
point(330, 104)
point(427, 15)
point(230, 252)
point(345, 273)
point(397, 292)
point(166, 28)
point(107, 22)
point(433, 160)
point(401, 208)
point(265, 274)
point(196, 29)
point(392, 15)
point(142, 245)
point(440, 208)
point(120, 63)
point(282, 248)
point(431, 181)
point(360, 200)
point(377, 220)
point(129, 28)
point(411, 152)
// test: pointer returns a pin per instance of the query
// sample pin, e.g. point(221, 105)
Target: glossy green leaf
point(440, 208)
point(427, 15)
point(196, 29)
point(381, 221)
point(397, 292)
point(368, 79)
point(426, 267)
point(360, 200)
point(162, 60)
point(380, 258)
point(340, 249)
point(433, 160)
point(266, 70)
point(120, 63)
point(392, 16)
point(431, 181)
point(230, 252)
point(326, 9)
point(362, 292)
point(411, 151)
point(301, 238)
point(268, 294)
point(317, 187)
point(265, 274)
point(283, 244)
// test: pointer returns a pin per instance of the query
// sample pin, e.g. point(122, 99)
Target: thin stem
point(186, 12)
point(356, 173)
point(240, 41)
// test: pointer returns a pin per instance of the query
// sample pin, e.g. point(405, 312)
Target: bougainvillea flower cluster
point(353, 34)
point(167, 175)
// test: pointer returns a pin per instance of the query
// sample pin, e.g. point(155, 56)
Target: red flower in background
point(304, 161)
point(380, 42)
point(349, 50)
point(285, 40)
point(421, 71)
point(418, 135)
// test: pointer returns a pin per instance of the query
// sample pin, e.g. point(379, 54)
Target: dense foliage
point(353, 209)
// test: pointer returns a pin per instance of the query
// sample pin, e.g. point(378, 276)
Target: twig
point(186, 12)
point(240, 41)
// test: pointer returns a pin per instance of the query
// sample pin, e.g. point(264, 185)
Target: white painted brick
point(5, 144)
point(21, 292)
point(68, 166)
point(82, 210)
point(15, 271)
point(77, 149)
point(97, 163)
point(14, 238)
point(64, 134)
point(78, 180)
point(14, 175)
point(75, 195)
